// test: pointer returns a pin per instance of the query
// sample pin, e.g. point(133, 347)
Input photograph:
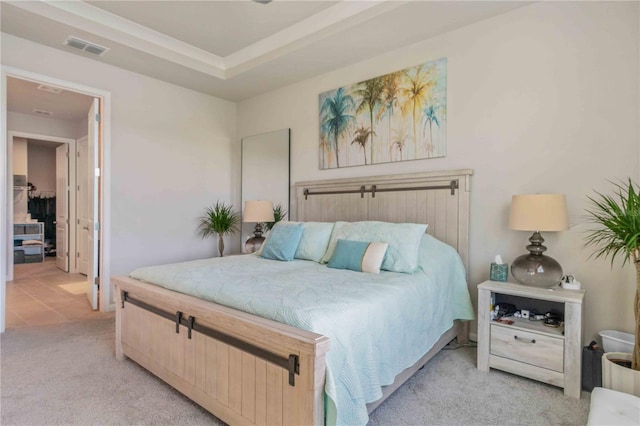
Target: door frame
point(71, 176)
point(106, 303)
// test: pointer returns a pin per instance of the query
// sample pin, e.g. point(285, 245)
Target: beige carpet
point(67, 375)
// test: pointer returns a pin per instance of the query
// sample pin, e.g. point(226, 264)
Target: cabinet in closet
point(28, 242)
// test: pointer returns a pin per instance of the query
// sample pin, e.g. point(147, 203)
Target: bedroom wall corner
point(545, 98)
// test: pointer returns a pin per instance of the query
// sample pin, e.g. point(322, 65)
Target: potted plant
point(219, 220)
point(279, 213)
point(617, 234)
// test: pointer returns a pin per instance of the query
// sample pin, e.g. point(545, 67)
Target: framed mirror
point(265, 173)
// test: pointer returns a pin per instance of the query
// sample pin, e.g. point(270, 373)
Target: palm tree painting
point(397, 144)
point(369, 94)
point(335, 118)
point(430, 118)
point(324, 147)
point(360, 138)
point(415, 91)
point(399, 116)
point(390, 90)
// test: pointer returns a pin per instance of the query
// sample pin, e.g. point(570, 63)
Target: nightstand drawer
point(531, 348)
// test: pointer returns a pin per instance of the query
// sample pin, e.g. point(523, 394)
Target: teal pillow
point(283, 241)
point(314, 241)
point(358, 256)
point(403, 239)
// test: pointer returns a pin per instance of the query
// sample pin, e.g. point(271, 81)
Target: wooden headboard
point(440, 199)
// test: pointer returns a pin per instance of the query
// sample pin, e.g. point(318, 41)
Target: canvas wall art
point(395, 117)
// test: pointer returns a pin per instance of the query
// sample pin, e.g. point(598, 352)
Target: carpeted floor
point(67, 374)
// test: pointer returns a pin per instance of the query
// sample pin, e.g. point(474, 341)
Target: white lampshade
point(258, 211)
point(539, 212)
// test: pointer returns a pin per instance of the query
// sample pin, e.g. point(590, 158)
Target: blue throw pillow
point(283, 241)
point(358, 256)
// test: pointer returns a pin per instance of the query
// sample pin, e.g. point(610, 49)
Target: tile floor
point(35, 296)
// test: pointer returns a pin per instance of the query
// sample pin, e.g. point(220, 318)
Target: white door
point(82, 203)
point(62, 207)
point(92, 190)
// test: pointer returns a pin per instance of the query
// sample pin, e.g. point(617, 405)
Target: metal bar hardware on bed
point(246, 369)
point(453, 185)
point(227, 379)
point(290, 363)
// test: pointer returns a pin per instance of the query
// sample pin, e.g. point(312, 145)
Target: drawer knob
point(524, 340)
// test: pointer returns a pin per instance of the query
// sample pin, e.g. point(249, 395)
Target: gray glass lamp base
point(253, 244)
point(535, 269)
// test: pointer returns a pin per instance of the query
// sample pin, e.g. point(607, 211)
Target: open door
point(82, 205)
point(93, 224)
point(62, 207)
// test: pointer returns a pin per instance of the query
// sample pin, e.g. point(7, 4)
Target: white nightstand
point(528, 348)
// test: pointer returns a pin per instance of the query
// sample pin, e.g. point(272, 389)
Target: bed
point(246, 365)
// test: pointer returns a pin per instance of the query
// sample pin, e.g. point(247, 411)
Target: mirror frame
point(247, 230)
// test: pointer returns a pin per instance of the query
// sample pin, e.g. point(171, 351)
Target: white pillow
point(315, 240)
point(403, 239)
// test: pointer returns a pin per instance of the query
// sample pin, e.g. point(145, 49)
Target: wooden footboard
point(240, 386)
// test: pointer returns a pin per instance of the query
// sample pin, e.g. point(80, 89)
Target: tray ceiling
point(239, 49)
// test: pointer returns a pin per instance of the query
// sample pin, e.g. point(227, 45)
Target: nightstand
point(529, 348)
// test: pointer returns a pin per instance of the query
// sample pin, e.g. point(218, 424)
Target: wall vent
point(49, 89)
point(42, 112)
point(78, 43)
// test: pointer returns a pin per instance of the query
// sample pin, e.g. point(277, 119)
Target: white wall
point(20, 167)
point(541, 99)
point(82, 128)
point(170, 150)
point(28, 123)
point(42, 166)
point(20, 156)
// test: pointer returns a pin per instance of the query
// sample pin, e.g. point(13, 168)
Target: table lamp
point(538, 212)
point(258, 211)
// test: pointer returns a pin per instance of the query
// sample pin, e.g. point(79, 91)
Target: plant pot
point(618, 377)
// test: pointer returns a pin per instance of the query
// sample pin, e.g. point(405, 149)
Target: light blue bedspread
point(378, 324)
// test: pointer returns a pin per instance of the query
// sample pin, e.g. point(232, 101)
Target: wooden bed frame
point(249, 370)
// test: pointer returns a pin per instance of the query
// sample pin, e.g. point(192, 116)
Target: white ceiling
point(239, 49)
point(43, 144)
point(213, 25)
point(23, 96)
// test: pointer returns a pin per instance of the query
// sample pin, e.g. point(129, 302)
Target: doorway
point(45, 201)
point(50, 174)
point(98, 152)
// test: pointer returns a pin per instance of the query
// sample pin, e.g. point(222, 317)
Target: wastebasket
point(617, 341)
point(592, 366)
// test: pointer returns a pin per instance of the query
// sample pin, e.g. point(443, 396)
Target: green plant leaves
point(279, 213)
point(219, 219)
point(617, 220)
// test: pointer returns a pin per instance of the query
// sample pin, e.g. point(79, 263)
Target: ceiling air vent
point(86, 46)
point(42, 112)
point(49, 89)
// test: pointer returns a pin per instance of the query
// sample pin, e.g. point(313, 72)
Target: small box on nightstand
point(499, 272)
